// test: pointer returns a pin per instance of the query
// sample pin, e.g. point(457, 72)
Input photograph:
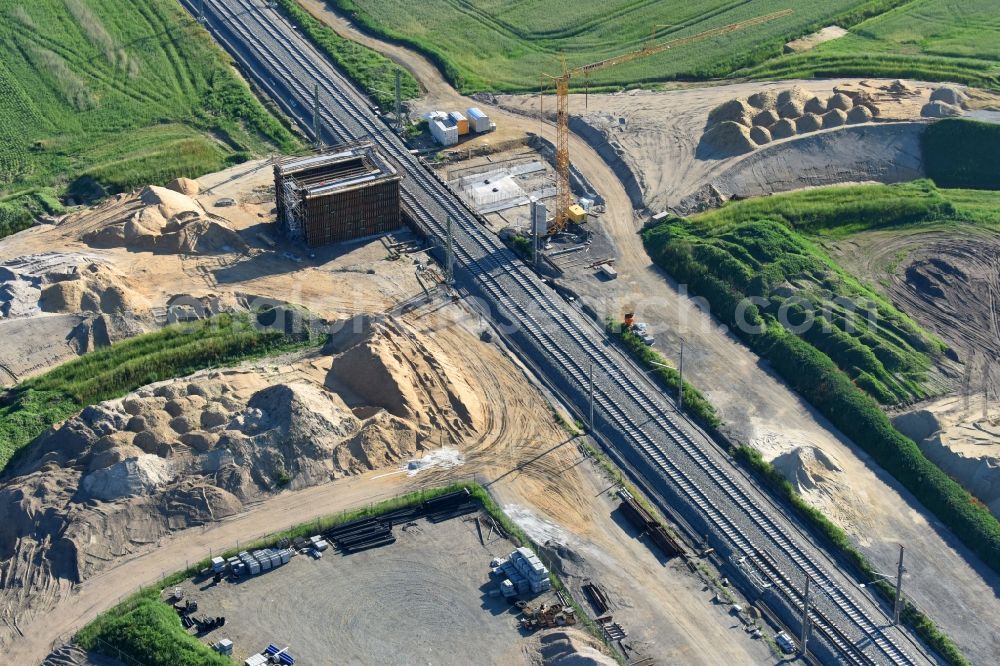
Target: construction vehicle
point(546, 616)
point(564, 197)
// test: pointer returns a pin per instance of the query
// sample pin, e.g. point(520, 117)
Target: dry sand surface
point(222, 438)
point(103, 274)
point(658, 145)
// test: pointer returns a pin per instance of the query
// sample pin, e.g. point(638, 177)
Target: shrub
point(962, 153)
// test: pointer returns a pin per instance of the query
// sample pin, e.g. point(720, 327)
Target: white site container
point(478, 121)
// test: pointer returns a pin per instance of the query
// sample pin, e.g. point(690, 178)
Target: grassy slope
point(123, 92)
point(34, 405)
point(721, 255)
point(936, 40)
point(370, 70)
point(503, 46)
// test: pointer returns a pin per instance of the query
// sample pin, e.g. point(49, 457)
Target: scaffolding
point(345, 192)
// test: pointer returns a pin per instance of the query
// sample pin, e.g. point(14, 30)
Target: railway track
point(561, 342)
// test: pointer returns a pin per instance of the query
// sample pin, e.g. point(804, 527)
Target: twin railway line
point(628, 412)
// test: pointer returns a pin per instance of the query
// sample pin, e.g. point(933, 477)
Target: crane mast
point(564, 197)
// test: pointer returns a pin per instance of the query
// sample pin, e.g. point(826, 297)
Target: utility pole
point(898, 606)
point(804, 640)
point(680, 388)
point(399, 104)
point(449, 261)
point(591, 397)
point(316, 128)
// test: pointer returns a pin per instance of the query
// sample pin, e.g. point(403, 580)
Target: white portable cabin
point(478, 121)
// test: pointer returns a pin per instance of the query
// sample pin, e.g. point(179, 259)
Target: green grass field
point(117, 93)
point(768, 248)
point(505, 46)
point(949, 40)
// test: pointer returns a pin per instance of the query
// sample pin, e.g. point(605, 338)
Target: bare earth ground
point(948, 281)
point(426, 600)
point(327, 282)
point(513, 441)
point(830, 471)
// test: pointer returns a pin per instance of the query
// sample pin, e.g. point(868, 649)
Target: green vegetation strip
point(669, 378)
point(928, 40)
point(963, 153)
point(150, 631)
point(372, 71)
point(27, 410)
point(107, 95)
point(749, 248)
point(911, 616)
point(484, 45)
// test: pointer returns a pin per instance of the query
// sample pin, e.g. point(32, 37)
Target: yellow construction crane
point(564, 198)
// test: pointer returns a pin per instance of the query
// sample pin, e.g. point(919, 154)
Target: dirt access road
point(527, 460)
point(946, 579)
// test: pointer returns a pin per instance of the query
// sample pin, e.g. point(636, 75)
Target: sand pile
point(570, 647)
point(735, 110)
point(765, 99)
point(766, 118)
point(728, 138)
point(834, 118)
point(859, 114)
point(791, 110)
point(170, 222)
point(740, 125)
point(783, 129)
point(397, 370)
point(840, 101)
point(793, 94)
point(807, 468)
point(95, 287)
point(184, 186)
point(126, 472)
point(815, 105)
point(941, 110)
point(950, 95)
point(760, 135)
point(809, 122)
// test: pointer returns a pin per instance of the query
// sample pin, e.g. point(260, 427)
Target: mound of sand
point(807, 468)
point(859, 114)
point(766, 118)
point(834, 118)
point(570, 647)
point(393, 368)
point(96, 288)
point(760, 135)
point(765, 99)
point(735, 110)
point(949, 95)
point(792, 109)
point(169, 222)
point(783, 129)
point(941, 110)
point(141, 475)
point(810, 122)
point(728, 138)
point(815, 105)
point(184, 186)
point(793, 94)
point(840, 101)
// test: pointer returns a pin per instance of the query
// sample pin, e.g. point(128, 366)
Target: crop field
point(116, 93)
point(953, 40)
point(505, 46)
